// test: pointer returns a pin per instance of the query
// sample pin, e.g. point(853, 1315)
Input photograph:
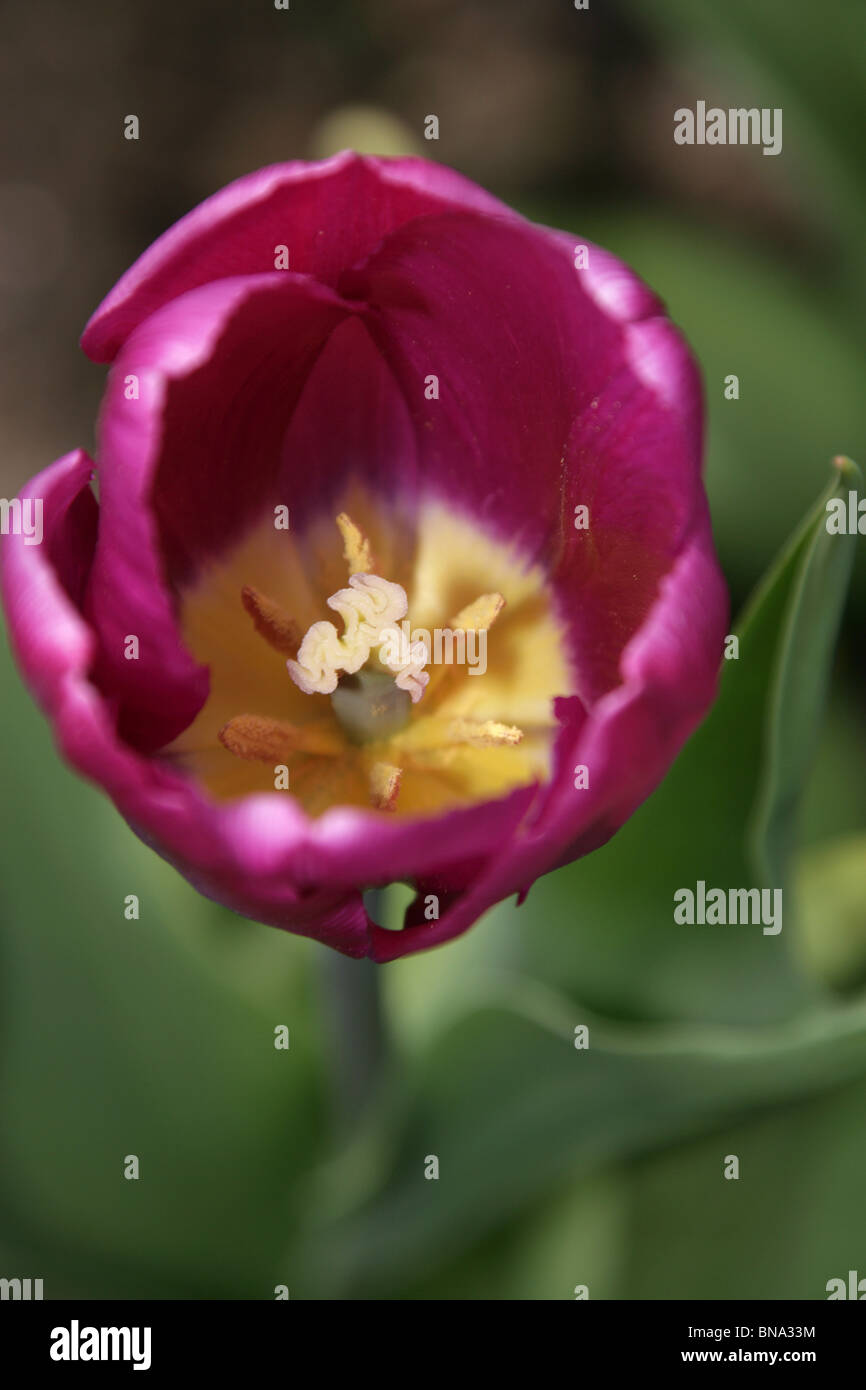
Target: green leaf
point(823, 567)
point(510, 1108)
point(831, 921)
point(132, 1037)
point(765, 55)
point(575, 1234)
point(792, 1220)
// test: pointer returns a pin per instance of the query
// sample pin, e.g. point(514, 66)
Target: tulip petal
point(627, 742)
point(328, 215)
point(235, 854)
point(545, 404)
point(186, 464)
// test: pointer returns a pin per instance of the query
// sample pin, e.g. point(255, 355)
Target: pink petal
point(546, 403)
point(328, 214)
point(627, 741)
point(186, 467)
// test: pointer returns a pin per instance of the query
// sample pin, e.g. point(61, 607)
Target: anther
point(258, 739)
point(385, 785)
point(271, 621)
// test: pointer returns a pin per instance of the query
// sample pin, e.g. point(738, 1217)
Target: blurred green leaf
point(510, 1107)
point(834, 801)
point(118, 1039)
point(575, 1234)
point(831, 920)
point(799, 686)
point(776, 54)
point(792, 1220)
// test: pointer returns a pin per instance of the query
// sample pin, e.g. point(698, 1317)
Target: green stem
point(355, 1031)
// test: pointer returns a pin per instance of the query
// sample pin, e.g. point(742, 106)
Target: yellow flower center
point(411, 717)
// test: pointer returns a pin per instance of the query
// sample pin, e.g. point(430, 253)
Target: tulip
point(349, 400)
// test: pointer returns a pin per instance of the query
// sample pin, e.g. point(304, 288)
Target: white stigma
point(368, 607)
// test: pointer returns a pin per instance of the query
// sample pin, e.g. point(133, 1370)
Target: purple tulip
point(371, 370)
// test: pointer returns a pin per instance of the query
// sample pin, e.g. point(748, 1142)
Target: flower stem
point(355, 1031)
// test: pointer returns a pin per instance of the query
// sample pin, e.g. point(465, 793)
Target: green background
point(559, 1167)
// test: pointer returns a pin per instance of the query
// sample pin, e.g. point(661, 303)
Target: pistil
point(373, 676)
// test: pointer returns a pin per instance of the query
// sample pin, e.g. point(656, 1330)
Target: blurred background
point(558, 1167)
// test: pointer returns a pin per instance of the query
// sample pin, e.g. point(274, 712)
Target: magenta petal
point(628, 741)
point(546, 403)
point(615, 289)
point(185, 466)
point(351, 421)
point(42, 583)
point(227, 852)
point(328, 214)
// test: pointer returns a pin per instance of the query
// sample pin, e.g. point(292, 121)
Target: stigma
point(370, 609)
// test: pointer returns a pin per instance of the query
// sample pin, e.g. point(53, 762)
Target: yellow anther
point(436, 733)
point(268, 740)
point(486, 733)
point(271, 621)
point(385, 785)
point(356, 547)
point(479, 615)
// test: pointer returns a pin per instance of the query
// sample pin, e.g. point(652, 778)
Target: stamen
point(271, 621)
point(255, 738)
point(487, 733)
point(435, 734)
point(356, 547)
point(385, 785)
point(479, 615)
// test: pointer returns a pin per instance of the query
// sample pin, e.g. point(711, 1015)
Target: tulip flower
point(361, 421)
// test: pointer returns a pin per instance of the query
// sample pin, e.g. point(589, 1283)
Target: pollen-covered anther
point(435, 734)
point(258, 739)
point(385, 785)
point(479, 615)
point(357, 551)
point(271, 621)
point(484, 733)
